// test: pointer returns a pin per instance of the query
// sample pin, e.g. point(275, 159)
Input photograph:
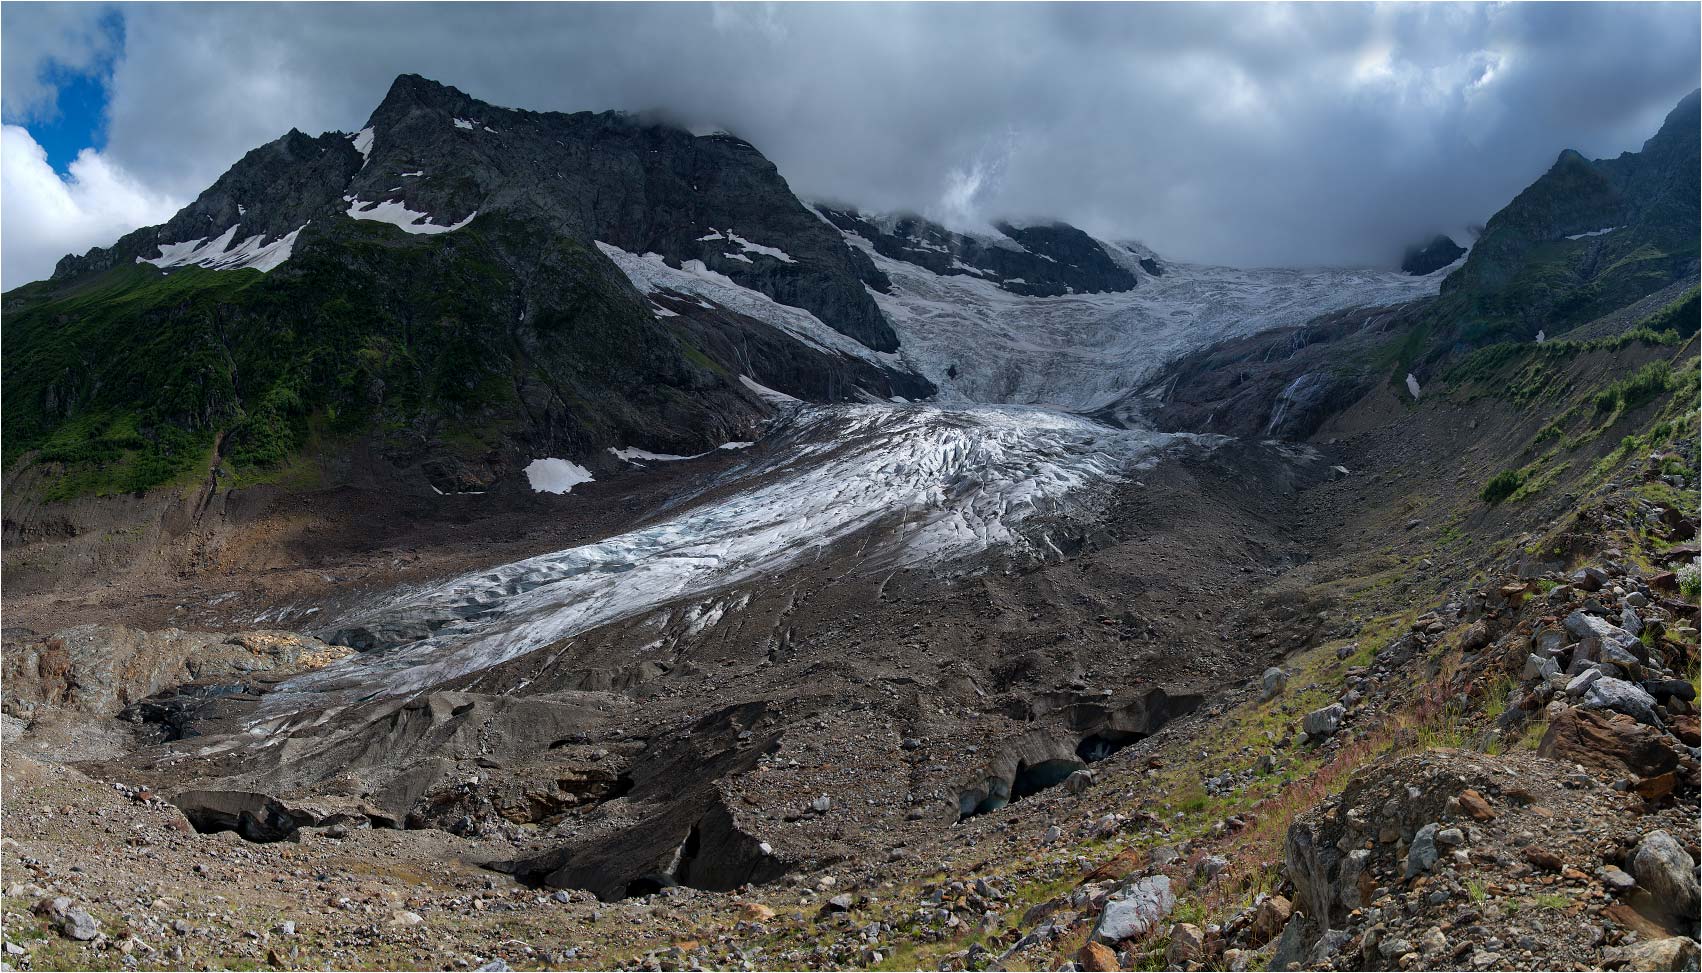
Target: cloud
point(43, 216)
point(63, 39)
point(1247, 134)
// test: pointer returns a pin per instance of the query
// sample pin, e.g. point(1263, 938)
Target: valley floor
point(1424, 714)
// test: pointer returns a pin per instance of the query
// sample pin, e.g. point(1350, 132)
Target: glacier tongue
point(938, 483)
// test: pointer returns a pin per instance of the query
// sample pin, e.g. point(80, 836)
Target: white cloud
point(44, 216)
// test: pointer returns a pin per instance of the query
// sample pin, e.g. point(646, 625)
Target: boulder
point(1097, 958)
point(1324, 722)
point(1274, 682)
point(1133, 911)
point(1608, 693)
point(1672, 953)
point(1422, 855)
point(1607, 741)
point(1662, 866)
point(1269, 919)
point(1187, 945)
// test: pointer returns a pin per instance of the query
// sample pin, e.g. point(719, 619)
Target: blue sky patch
point(81, 123)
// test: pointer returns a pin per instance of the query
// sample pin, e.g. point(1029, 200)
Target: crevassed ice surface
point(1083, 351)
point(942, 482)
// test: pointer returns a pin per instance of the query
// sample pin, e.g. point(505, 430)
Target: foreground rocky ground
point(1433, 733)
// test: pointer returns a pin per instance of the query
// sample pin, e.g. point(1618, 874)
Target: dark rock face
point(1035, 261)
point(622, 179)
point(1431, 257)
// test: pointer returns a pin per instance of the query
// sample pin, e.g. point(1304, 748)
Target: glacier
point(1003, 448)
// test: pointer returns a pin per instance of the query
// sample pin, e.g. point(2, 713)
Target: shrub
point(1501, 486)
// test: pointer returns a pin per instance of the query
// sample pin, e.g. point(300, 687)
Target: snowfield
point(937, 483)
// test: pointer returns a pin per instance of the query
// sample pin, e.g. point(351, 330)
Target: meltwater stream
point(941, 482)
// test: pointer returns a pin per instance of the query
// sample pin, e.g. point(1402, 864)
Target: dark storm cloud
point(1249, 134)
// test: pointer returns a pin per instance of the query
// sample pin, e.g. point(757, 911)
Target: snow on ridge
point(219, 254)
point(916, 485)
point(397, 213)
point(465, 123)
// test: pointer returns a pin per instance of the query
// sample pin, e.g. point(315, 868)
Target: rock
point(1079, 781)
point(1274, 682)
point(839, 903)
point(1475, 806)
point(1208, 868)
point(1097, 958)
point(1616, 879)
point(1665, 869)
point(1135, 910)
point(756, 911)
point(1269, 919)
point(1422, 855)
point(285, 928)
point(1622, 697)
point(822, 804)
point(1688, 730)
point(1607, 741)
point(1236, 960)
point(77, 924)
point(1187, 944)
point(1450, 837)
point(494, 966)
point(402, 917)
point(1475, 637)
point(1324, 722)
point(1589, 579)
point(1542, 858)
point(1290, 951)
point(1672, 953)
point(1581, 683)
point(1265, 764)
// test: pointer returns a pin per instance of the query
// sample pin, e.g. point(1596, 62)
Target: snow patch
point(632, 455)
point(556, 475)
point(746, 248)
point(397, 213)
point(363, 144)
point(765, 393)
point(218, 253)
point(650, 274)
point(1604, 230)
point(465, 123)
point(1412, 385)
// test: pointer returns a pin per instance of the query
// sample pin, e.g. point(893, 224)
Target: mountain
point(1432, 256)
point(1046, 260)
point(1587, 237)
point(437, 289)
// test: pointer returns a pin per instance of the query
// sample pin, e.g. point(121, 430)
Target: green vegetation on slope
point(130, 378)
